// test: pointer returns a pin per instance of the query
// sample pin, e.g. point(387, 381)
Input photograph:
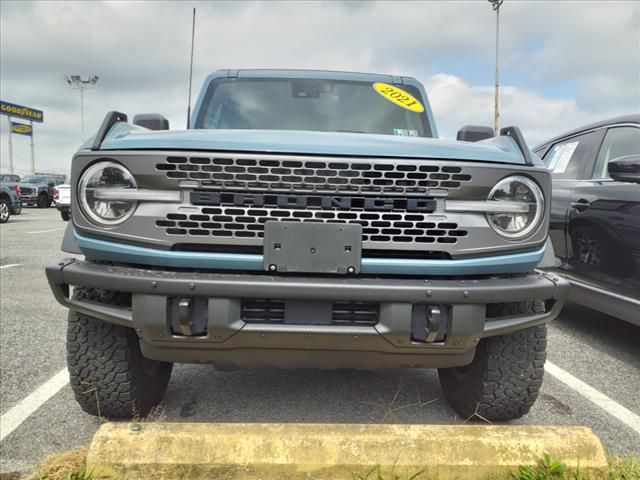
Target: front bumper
point(231, 342)
point(29, 199)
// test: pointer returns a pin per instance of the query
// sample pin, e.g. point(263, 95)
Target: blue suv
point(307, 219)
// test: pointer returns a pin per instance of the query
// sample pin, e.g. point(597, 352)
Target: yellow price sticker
point(399, 97)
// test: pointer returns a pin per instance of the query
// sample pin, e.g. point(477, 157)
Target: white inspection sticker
point(403, 132)
point(560, 157)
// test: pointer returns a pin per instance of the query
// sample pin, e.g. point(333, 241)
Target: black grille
point(322, 176)
point(26, 191)
point(342, 313)
point(248, 223)
point(354, 313)
point(263, 311)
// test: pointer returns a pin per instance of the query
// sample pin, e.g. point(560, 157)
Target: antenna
point(193, 33)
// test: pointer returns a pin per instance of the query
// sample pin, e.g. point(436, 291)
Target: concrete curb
point(332, 451)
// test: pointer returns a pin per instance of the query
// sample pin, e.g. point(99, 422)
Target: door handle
point(580, 205)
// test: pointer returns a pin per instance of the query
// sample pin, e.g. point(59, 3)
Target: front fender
point(549, 259)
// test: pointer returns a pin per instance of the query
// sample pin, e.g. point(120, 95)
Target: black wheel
point(594, 250)
point(109, 376)
point(65, 216)
point(43, 200)
point(5, 210)
point(503, 381)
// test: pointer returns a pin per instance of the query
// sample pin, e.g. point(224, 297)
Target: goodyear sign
point(18, 111)
point(21, 129)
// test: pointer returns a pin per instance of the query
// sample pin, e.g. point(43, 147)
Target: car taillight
point(16, 187)
point(56, 194)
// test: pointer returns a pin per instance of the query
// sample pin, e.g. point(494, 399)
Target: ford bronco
point(307, 219)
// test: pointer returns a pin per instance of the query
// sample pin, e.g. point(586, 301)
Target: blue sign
point(19, 111)
point(21, 129)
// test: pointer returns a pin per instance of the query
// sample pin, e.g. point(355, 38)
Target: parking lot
point(593, 376)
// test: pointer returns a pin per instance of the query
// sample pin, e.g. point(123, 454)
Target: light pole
point(496, 8)
point(79, 83)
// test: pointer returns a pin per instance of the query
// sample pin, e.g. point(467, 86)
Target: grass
point(63, 466)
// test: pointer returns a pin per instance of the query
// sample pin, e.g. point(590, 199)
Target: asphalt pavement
point(601, 353)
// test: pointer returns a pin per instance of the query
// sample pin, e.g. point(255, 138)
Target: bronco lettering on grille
point(325, 202)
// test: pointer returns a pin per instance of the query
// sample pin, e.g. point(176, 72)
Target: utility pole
point(193, 36)
point(11, 167)
point(496, 115)
point(33, 155)
point(79, 83)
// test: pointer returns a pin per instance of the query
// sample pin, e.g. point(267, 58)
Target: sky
point(563, 63)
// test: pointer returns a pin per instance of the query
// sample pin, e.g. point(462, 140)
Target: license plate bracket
point(313, 247)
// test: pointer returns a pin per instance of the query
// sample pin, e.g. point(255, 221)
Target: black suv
point(38, 189)
point(595, 213)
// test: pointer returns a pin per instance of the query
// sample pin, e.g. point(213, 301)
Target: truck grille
point(26, 191)
point(342, 313)
point(330, 176)
point(248, 223)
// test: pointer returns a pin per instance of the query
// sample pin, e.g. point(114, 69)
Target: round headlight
point(523, 192)
point(98, 179)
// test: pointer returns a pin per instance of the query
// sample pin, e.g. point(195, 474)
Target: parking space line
point(609, 405)
point(10, 265)
point(23, 410)
point(47, 231)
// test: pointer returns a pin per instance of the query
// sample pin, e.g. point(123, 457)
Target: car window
point(566, 158)
point(618, 142)
point(312, 105)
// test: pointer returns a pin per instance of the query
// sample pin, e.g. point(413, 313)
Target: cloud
point(140, 50)
point(456, 103)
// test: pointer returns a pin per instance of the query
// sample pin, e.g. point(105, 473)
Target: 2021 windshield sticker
point(399, 97)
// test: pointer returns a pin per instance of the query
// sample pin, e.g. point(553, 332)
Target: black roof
point(635, 118)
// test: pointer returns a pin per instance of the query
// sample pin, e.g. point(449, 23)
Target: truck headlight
point(103, 176)
point(519, 189)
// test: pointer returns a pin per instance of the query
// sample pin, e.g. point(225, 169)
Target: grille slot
point(248, 223)
point(342, 313)
point(321, 176)
point(355, 313)
point(262, 311)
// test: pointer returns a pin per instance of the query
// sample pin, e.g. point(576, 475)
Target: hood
point(124, 136)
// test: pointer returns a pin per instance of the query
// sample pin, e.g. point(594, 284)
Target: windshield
point(313, 105)
point(33, 179)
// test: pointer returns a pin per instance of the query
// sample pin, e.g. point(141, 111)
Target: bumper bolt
point(154, 284)
point(466, 294)
point(272, 268)
point(192, 286)
point(429, 293)
point(351, 270)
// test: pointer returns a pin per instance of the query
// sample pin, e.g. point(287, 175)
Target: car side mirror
point(152, 121)
point(474, 133)
point(625, 169)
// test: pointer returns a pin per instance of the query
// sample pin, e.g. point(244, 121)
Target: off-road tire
point(65, 216)
point(503, 381)
point(5, 210)
point(109, 376)
point(43, 200)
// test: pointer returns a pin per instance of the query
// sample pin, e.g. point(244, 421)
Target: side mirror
point(474, 133)
point(625, 169)
point(152, 121)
